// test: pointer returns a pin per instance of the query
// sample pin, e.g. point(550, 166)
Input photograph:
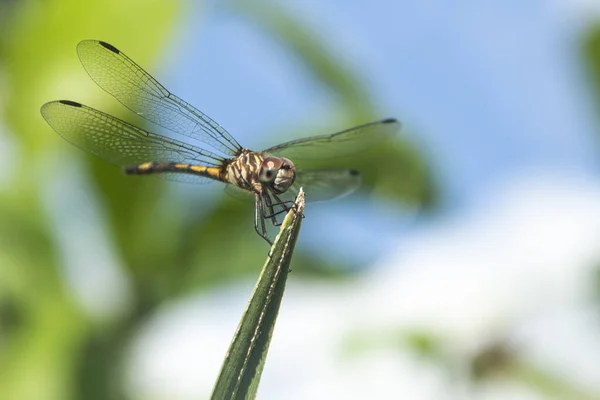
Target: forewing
point(137, 90)
point(324, 184)
point(119, 142)
point(340, 144)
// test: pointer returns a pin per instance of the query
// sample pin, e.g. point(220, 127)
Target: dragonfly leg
point(285, 204)
point(289, 204)
point(259, 220)
point(270, 205)
point(275, 214)
point(270, 208)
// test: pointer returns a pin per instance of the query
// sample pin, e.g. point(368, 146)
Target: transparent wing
point(325, 184)
point(238, 193)
point(121, 77)
point(119, 142)
point(344, 143)
point(318, 185)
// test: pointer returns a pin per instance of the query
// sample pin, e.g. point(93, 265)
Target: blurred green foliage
point(51, 346)
point(47, 343)
point(591, 55)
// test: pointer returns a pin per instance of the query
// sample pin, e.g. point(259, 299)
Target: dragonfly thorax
point(253, 171)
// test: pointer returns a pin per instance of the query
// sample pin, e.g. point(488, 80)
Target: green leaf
point(245, 359)
point(591, 54)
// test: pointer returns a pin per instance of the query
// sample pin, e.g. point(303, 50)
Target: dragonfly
point(269, 175)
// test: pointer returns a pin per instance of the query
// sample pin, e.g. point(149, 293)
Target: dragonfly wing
point(137, 90)
point(325, 184)
point(340, 144)
point(238, 193)
point(119, 142)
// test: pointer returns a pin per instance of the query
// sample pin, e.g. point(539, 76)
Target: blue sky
point(487, 91)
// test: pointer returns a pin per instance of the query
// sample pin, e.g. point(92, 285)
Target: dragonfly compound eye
point(277, 173)
point(285, 176)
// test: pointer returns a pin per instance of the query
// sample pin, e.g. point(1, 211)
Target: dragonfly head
point(278, 173)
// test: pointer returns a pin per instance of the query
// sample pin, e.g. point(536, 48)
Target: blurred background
point(467, 267)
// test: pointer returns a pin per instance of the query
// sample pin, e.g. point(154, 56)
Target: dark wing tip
point(392, 123)
point(49, 105)
point(109, 47)
point(354, 172)
point(70, 103)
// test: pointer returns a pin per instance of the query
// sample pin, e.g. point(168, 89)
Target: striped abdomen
point(165, 167)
